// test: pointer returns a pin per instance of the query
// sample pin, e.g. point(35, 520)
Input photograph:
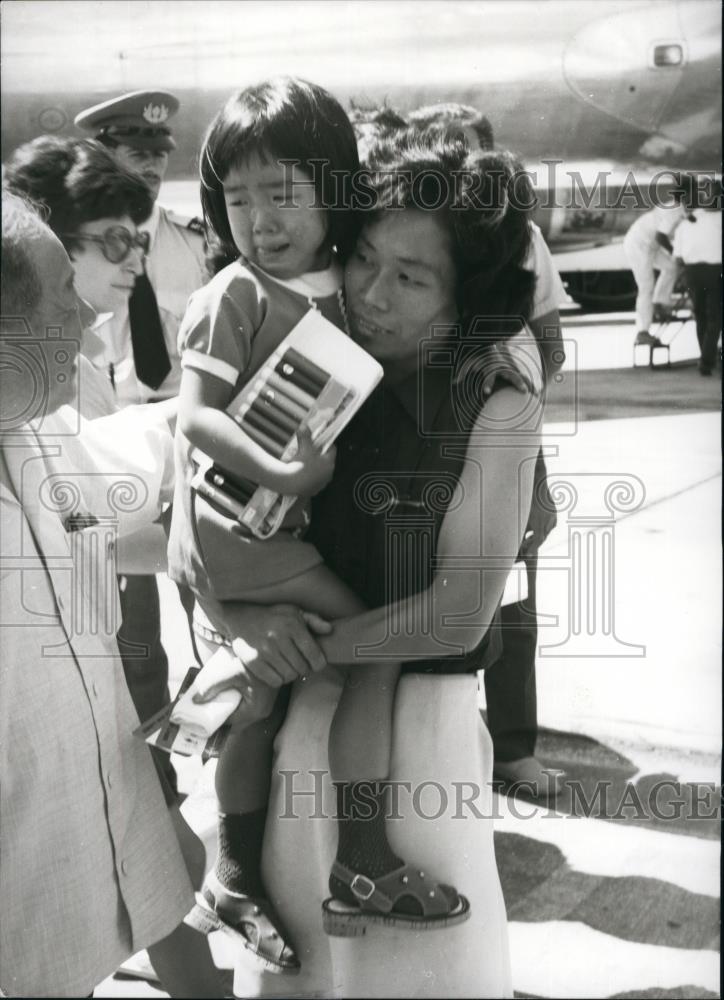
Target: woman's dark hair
point(454, 117)
point(383, 117)
point(76, 181)
point(486, 200)
point(280, 119)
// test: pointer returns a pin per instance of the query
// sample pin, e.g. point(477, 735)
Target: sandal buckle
point(362, 887)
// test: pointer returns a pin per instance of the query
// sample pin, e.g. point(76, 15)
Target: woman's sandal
point(378, 898)
point(249, 920)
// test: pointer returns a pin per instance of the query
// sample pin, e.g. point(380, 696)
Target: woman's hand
point(499, 363)
point(311, 469)
point(275, 644)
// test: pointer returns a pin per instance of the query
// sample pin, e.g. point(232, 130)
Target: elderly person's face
point(45, 366)
point(399, 282)
point(151, 164)
point(100, 278)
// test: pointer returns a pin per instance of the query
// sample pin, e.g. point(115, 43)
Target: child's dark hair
point(284, 119)
point(486, 200)
point(76, 181)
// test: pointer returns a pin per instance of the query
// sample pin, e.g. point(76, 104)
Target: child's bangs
point(282, 138)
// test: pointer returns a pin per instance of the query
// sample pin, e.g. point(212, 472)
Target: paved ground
point(615, 894)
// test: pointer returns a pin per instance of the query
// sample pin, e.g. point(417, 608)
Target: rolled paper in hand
point(201, 720)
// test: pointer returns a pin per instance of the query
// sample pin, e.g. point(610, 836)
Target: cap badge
point(155, 114)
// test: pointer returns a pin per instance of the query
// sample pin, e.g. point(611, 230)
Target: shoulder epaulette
point(196, 225)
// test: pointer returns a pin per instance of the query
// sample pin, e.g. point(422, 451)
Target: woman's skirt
point(441, 771)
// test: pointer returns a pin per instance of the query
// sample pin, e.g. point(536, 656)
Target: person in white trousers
point(648, 247)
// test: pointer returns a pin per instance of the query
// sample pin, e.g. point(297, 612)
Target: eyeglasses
point(116, 242)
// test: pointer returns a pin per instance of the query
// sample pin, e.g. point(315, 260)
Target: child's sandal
point(440, 905)
point(250, 920)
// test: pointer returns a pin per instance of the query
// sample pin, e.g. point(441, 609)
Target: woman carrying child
point(424, 518)
point(266, 199)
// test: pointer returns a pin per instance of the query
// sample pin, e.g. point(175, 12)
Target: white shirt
point(662, 219)
point(699, 242)
point(549, 291)
point(90, 870)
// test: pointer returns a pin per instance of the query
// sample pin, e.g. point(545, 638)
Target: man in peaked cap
point(137, 347)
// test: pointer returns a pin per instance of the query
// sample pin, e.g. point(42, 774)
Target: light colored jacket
point(90, 870)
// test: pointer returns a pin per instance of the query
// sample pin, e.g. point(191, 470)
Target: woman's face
point(399, 282)
point(104, 285)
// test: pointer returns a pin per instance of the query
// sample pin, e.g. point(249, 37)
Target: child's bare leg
point(243, 775)
point(233, 894)
point(244, 768)
point(360, 738)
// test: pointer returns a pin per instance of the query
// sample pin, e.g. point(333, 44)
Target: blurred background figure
point(697, 248)
point(649, 248)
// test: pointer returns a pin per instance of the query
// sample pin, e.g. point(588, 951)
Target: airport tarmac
point(621, 898)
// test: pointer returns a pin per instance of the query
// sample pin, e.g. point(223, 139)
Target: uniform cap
point(138, 119)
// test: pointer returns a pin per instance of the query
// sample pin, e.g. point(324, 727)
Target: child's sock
point(238, 861)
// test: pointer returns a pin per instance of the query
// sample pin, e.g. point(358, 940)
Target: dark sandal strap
point(257, 913)
point(380, 895)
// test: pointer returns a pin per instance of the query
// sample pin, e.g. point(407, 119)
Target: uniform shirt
point(699, 242)
point(175, 266)
point(663, 219)
point(90, 869)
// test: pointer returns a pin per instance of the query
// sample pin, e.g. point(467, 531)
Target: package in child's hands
point(191, 728)
point(317, 377)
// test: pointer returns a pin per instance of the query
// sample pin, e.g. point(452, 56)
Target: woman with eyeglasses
point(94, 206)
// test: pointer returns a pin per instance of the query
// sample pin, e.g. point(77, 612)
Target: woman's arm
point(203, 419)
point(479, 541)
point(547, 331)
